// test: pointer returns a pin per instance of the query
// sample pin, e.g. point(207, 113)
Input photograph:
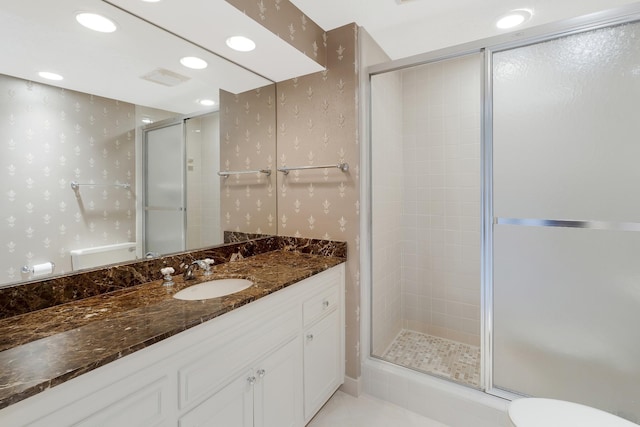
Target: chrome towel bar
point(226, 174)
point(344, 167)
point(75, 185)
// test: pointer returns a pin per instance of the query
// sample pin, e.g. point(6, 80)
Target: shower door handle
point(563, 223)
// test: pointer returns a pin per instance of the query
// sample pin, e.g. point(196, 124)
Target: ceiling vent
point(165, 77)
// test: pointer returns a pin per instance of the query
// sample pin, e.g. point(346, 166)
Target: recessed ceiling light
point(50, 76)
point(96, 22)
point(514, 18)
point(194, 62)
point(207, 102)
point(241, 43)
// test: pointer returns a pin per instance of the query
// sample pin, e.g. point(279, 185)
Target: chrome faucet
point(188, 273)
point(203, 264)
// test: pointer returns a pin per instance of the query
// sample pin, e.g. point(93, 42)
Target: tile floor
point(434, 355)
point(343, 410)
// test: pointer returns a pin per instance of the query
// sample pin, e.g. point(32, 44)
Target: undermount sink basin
point(213, 289)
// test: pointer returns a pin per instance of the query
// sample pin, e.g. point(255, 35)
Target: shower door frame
point(488, 46)
point(175, 121)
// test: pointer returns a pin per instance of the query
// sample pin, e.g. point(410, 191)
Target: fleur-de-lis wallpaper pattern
point(284, 19)
point(318, 125)
point(248, 142)
point(50, 137)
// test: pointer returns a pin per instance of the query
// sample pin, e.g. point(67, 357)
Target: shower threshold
point(437, 356)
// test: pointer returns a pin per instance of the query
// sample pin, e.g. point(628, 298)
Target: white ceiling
point(42, 35)
point(419, 26)
point(209, 23)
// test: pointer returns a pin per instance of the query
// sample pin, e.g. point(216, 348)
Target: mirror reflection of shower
point(180, 184)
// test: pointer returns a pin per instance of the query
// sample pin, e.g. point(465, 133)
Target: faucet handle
point(205, 265)
point(166, 273)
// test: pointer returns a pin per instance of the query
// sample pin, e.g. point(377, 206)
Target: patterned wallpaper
point(284, 19)
point(248, 142)
point(318, 125)
point(50, 137)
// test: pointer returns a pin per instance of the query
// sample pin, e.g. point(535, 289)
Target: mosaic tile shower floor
point(442, 357)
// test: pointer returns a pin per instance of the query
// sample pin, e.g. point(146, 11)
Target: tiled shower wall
point(387, 182)
point(50, 137)
point(426, 201)
point(441, 199)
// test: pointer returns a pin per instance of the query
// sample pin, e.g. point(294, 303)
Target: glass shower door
point(566, 199)
point(164, 210)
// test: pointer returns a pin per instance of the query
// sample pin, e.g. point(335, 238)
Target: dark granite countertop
point(43, 348)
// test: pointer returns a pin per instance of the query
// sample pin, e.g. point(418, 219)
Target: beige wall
point(318, 125)
point(248, 142)
point(50, 137)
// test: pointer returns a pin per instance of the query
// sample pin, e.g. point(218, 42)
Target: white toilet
point(536, 412)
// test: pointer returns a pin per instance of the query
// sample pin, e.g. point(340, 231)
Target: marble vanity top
point(46, 347)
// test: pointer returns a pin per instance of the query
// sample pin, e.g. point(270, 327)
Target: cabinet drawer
point(140, 401)
point(321, 304)
point(143, 407)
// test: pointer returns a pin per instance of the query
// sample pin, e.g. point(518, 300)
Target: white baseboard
point(352, 386)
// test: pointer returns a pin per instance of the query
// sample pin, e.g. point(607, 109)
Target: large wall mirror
point(78, 169)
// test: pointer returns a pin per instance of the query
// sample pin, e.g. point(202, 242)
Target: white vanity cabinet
point(271, 363)
point(268, 396)
point(323, 359)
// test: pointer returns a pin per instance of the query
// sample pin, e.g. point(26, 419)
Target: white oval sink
point(213, 289)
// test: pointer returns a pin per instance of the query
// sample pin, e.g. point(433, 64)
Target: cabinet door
point(278, 388)
point(322, 362)
point(232, 406)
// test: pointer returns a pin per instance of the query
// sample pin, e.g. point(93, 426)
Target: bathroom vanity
point(270, 355)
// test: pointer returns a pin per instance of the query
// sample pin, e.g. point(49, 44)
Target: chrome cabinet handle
point(325, 304)
point(261, 373)
point(309, 337)
point(251, 380)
